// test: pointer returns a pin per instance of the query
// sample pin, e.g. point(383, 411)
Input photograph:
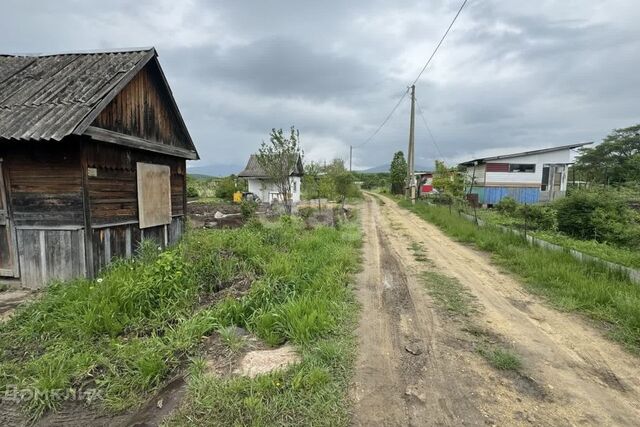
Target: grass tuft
point(448, 293)
point(500, 358)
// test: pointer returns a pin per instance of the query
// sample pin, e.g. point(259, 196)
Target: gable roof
point(254, 170)
point(526, 153)
point(48, 97)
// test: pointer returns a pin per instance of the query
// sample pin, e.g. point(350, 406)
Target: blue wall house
point(528, 177)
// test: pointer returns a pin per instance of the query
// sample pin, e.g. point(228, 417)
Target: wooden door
point(8, 258)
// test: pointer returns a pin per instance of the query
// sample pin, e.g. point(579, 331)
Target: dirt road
point(419, 365)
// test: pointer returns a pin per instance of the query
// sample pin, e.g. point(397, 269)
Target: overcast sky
point(511, 75)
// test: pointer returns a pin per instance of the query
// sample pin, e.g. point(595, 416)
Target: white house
point(264, 188)
point(528, 177)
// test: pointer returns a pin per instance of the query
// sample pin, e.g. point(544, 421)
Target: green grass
point(141, 323)
point(448, 293)
point(603, 250)
point(569, 284)
point(500, 358)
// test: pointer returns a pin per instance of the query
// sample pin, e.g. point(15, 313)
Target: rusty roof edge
point(126, 78)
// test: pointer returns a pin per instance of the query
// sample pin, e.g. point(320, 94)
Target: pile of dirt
point(214, 215)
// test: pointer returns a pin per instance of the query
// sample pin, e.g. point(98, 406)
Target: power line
point(384, 122)
point(433, 139)
point(433, 54)
point(440, 42)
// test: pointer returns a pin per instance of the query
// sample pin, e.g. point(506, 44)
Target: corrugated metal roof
point(254, 170)
point(45, 97)
point(526, 153)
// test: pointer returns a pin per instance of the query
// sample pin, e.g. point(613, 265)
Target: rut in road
point(571, 374)
point(400, 378)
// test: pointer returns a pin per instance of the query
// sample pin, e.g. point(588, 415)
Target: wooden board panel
point(154, 195)
point(48, 255)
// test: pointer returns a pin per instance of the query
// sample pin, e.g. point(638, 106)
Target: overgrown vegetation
point(332, 181)
point(597, 222)
point(141, 322)
point(228, 185)
point(571, 285)
point(208, 187)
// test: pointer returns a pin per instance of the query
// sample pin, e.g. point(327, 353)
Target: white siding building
point(528, 177)
point(264, 188)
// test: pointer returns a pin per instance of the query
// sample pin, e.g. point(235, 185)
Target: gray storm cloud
point(511, 75)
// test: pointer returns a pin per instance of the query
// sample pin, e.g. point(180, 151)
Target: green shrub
point(598, 215)
point(507, 206)
point(226, 187)
point(537, 217)
point(305, 212)
point(248, 209)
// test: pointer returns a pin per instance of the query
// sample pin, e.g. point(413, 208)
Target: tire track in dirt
point(400, 380)
point(586, 378)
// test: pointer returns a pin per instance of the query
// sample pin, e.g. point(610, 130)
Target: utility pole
point(411, 179)
point(350, 156)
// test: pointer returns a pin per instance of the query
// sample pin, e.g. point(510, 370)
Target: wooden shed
point(93, 154)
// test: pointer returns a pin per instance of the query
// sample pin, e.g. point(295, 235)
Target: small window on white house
point(294, 186)
point(524, 167)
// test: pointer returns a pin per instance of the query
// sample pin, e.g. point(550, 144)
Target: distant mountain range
point(215, 170)
point(226, 169)
point(385, 168)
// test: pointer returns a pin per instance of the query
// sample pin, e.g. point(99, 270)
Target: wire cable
point(440, 42)
point(433, 139)
point(384, 122)
point(433, 54)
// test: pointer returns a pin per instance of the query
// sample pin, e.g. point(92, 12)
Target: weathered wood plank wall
point(45, 183)
point(141, 109)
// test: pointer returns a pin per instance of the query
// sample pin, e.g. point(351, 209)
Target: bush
point(537, 217)
point(507, 206)
point(598, 215)
point(248, 209)
point(226, 187)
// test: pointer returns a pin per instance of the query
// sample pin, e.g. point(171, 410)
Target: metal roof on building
point(47, 97)
point(526, 153)
point(254, 170)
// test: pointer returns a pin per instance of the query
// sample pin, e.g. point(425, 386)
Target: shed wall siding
point(141, 109)
point(113, 193)
point(45, 183)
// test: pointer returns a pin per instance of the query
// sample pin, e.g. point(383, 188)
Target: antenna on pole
point(411, 178)
point(350, 156)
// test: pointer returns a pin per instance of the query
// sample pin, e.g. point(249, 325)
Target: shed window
point(522, 167)
point(294, 186)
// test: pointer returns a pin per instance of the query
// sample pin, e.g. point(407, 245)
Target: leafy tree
point(278, 159)
point(448, 180)
point(226, 187)
point(398, 171)
point(614, 161)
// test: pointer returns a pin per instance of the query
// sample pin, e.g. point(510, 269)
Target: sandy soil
point(10, 300)
point(417, 365)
